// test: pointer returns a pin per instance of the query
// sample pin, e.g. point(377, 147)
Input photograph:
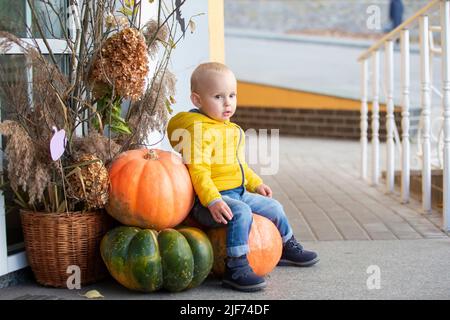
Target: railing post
point(389, 80)
point(3, 239)
point(425, 104)
point(405, 82)
point(364, 124)
point(375, 118)
point(445, 43)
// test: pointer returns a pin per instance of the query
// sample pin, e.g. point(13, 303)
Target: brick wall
point(343, 124)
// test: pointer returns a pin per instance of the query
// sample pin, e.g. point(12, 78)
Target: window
point(16, 17)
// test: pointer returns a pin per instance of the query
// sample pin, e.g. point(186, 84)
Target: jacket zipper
point(237, 156)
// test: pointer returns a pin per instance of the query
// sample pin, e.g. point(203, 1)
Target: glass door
point(16, 18)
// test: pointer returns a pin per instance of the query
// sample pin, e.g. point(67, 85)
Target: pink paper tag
point(58, 143)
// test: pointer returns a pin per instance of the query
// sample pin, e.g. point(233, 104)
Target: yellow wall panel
point(216, 31)
point(258, 95)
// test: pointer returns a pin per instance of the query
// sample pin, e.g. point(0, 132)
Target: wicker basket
point(54, 241)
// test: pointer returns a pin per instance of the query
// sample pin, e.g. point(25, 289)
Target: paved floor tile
point(324, 197)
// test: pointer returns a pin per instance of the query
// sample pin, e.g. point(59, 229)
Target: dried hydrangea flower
point(123, 63)
point(91, 183)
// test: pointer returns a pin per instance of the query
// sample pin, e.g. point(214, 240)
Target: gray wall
point(300, 15)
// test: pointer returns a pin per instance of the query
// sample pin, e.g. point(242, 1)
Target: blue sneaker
point(294, 255)
point(240, 276)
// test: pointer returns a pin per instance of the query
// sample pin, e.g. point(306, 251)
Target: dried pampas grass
point(150, 113)
point(24, 168)
point(153, 36)
point(45, 108)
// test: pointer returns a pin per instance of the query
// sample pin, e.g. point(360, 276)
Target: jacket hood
point(186, 119)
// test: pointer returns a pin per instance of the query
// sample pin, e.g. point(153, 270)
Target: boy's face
point(217, 95)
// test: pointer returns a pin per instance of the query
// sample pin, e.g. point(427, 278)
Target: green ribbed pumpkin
point(147, 260)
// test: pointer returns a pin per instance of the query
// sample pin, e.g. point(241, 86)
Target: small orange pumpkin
point(191, 222)
point(265, 246)
point(149, 189)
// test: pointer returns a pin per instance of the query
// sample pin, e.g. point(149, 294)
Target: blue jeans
point(242, 204)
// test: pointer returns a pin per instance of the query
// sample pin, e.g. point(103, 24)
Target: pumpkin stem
point(151, 155)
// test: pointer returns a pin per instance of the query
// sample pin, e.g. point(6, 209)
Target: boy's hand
point(264, 190)
point(220, 212)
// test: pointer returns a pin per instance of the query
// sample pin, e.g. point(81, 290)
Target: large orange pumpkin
point(149, 189)
point(265, 246)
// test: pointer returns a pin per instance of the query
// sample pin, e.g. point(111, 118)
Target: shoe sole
point(253, 288)
point(283, 262)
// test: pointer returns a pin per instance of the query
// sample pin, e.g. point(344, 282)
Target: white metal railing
point(427, 51)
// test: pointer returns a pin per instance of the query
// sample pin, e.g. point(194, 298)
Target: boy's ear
point(195, 98)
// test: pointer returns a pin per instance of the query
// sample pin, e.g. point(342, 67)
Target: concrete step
point(416, 186)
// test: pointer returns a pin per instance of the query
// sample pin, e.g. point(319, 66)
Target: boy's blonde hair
point(202, 69)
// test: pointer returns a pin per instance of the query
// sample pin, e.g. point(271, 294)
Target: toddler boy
point(228, 191)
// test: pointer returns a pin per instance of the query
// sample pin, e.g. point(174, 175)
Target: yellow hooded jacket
point(214, 153)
